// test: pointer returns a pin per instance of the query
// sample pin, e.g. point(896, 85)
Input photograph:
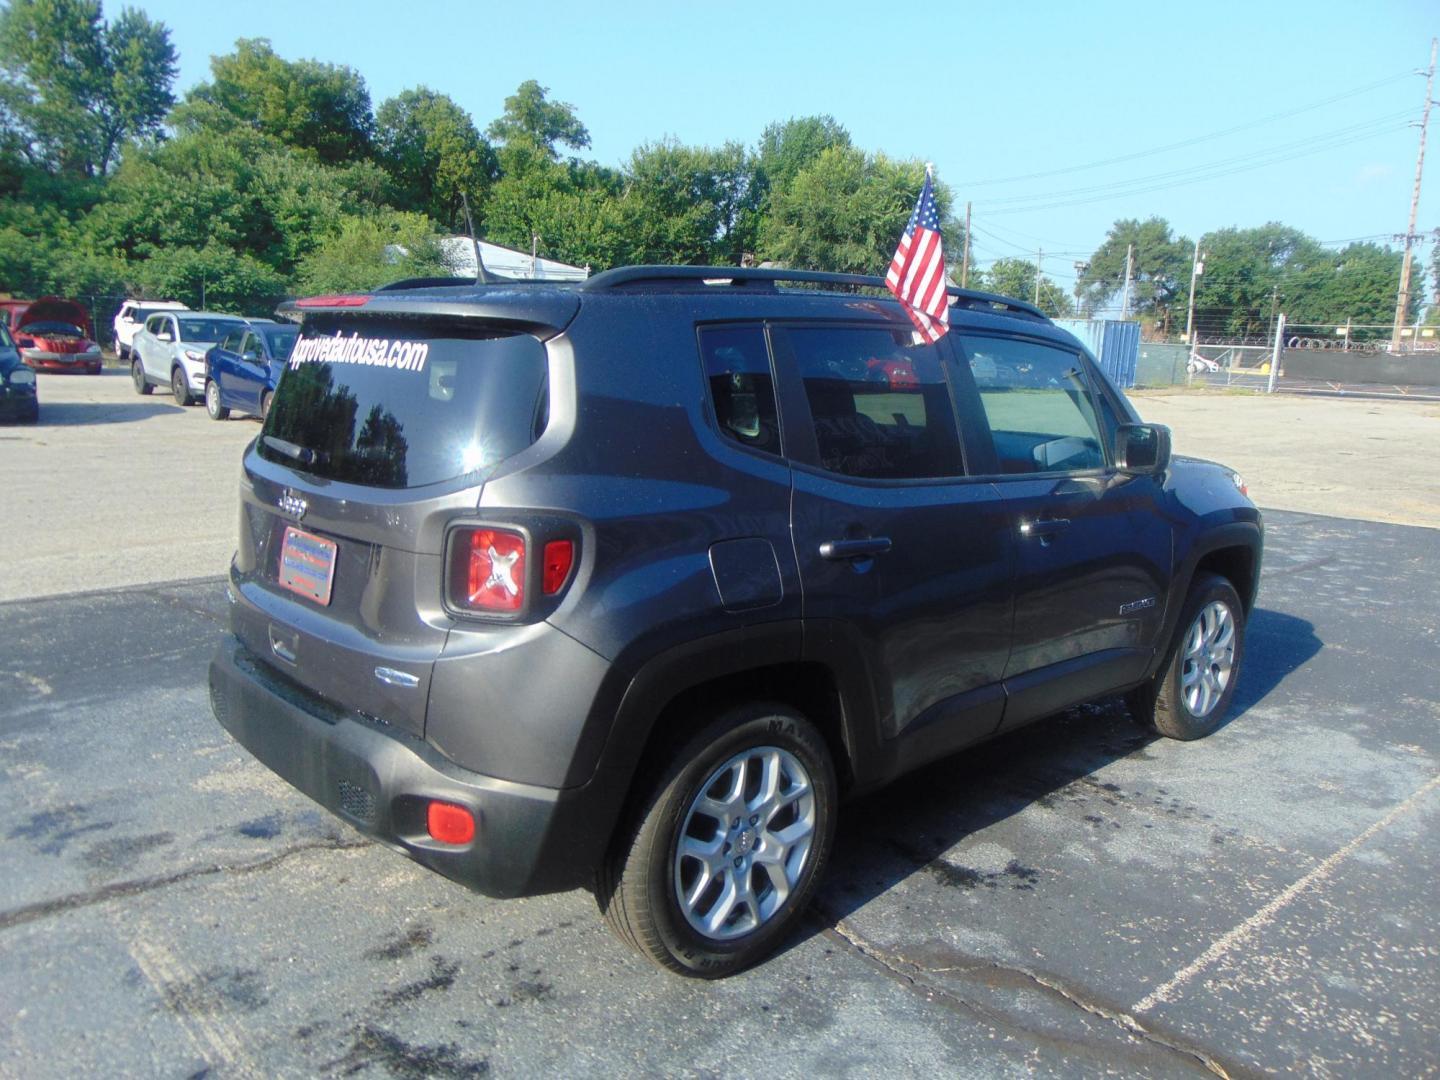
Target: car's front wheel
point(1192, 693)
point(137, 376)
point(180, 387)
point(212, 401)
point(722, 857)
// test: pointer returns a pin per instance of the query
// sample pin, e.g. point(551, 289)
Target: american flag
point(917, 273)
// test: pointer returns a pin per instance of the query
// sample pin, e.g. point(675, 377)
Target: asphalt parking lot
point(1073, 900)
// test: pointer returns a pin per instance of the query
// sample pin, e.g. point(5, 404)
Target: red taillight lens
point(487, 570)
point(449, 823)
point(559, 557)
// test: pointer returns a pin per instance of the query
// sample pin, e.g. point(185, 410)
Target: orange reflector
point(450, 824)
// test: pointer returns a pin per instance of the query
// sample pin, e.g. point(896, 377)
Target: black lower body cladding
point(528, 839)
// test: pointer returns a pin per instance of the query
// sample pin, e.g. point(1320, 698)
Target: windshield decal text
point(371, 352)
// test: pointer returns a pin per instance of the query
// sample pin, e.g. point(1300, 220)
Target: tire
point(640, 884)
point(121, 352)
point(213, 407)
point(180, 387)
point(137, 376)
point(1190, 696)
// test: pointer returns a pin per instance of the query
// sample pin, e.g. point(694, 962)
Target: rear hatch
point(381, 432)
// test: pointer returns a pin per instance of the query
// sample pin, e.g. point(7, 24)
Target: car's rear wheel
point(180, 387)
point(720, 859)
point(1192, 693)
point(137, 376)
point(212, 401)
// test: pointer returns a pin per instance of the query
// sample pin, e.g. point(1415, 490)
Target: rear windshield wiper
point(302, 454)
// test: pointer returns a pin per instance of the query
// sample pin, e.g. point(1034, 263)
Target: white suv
point(169, 350)
point(132, 316)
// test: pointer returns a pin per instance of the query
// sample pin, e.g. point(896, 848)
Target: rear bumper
point(528, 839)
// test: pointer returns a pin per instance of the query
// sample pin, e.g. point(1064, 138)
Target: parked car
point(242, 372)
point(629, 583)
point(132, 315)
point(54, 335)
point(170, 351)
point(19, 396)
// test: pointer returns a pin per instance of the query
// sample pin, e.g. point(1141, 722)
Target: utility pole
point(1039, 262)
point(1402, 302)
point(1274, 306)
point(1197, 267)
point(1080, 270)
point(965, 259)
point(1129, 266)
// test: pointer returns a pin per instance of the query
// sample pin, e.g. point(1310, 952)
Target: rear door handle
point(1046, 527)
point(855, 549)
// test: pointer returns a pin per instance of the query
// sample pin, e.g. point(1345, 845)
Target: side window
point(1038, 403)
point(153, 326)
point(231, 343)
point(251, 344)
point(742, 389)
point(880, 403)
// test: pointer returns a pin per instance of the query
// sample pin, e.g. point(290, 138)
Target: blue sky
point(986, 92)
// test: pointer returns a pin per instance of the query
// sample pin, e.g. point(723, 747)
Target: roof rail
point(741, 276)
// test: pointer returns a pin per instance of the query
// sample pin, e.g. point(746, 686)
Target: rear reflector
point(333, 301)
point(487, 570)
point(450, 824)
point(559, 555)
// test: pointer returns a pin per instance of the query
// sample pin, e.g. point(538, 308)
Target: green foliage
point(323, 108)
point(1159, 275)
point(73, 88)
point(684, 204)
point(1016, 277)
point(846, 211)
point(434, 155)
point(212, 278)
point(531, 122)
point(366, 252)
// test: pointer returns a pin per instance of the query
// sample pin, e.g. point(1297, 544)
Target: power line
point(1194, 140)
point(1308, 142)
point(1199, 176)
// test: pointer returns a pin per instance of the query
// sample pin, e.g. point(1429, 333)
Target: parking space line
point(1268, 913)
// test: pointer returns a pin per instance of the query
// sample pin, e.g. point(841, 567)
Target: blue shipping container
point(1115, 344)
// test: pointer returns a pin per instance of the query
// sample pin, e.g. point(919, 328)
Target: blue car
point(242, 371)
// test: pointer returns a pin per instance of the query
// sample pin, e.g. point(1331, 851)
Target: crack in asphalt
point(897, 966)
point(120, 889)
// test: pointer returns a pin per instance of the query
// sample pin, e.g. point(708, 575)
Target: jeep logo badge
point(292, 504)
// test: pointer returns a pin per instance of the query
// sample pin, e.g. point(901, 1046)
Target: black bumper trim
point(381, 783)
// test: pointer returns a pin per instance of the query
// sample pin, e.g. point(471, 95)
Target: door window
point(1037, 400)
point(742, 388)
point(232, 341)
point(880, 404)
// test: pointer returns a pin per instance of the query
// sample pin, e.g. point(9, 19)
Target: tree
point(534, 123)
point(1160, 271)
point(431, 149)
point(846, 211)
point(323, 108)
point(789, 146)
point(684, 204)
point(365, 252)
point(1016, 277)
point(75, 88)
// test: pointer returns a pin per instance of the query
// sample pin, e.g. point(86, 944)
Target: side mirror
point(1142, 449)
point(164, 335)
point(252, 356)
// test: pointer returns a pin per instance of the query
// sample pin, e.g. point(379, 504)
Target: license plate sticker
point(307, 564)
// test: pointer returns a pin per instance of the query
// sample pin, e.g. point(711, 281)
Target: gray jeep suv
point(628, 584)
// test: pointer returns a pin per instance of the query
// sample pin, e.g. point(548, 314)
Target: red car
point(53, 334)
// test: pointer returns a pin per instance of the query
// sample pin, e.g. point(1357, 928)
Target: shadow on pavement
point(73, 413)
point(907, 828)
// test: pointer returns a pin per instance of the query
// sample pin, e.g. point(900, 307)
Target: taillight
point(487, 570)
point(559, 557)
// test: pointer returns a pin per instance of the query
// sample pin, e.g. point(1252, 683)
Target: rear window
point(400, 405)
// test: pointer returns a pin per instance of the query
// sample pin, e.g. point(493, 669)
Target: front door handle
point(855, 549)
point(1044, 528)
